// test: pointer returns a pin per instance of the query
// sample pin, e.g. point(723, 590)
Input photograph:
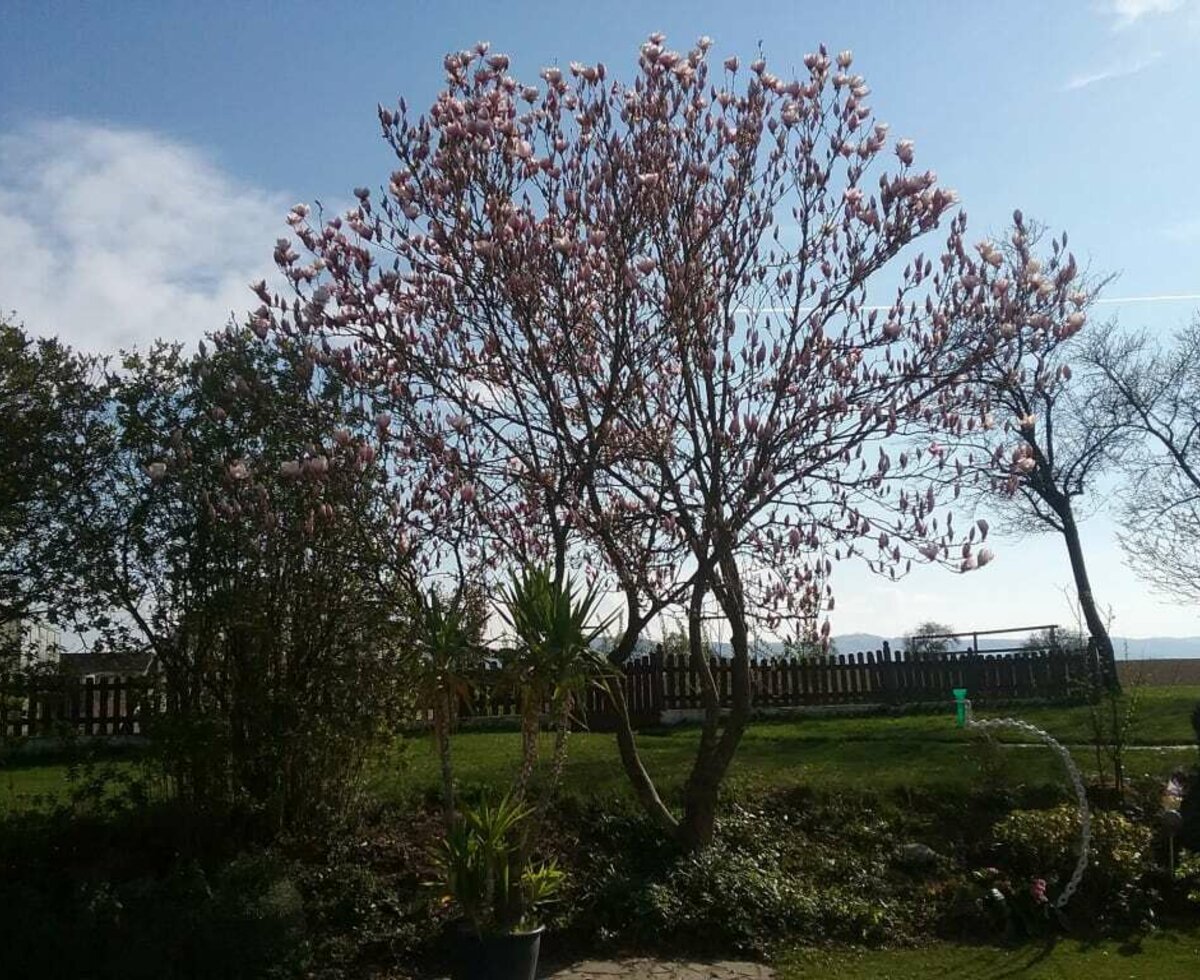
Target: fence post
point(105, 693)
point(887, 676)
point(31, 712)
point(656, 684)
point(89, 705)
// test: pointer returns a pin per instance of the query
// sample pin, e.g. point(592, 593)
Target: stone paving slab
point(646, 969)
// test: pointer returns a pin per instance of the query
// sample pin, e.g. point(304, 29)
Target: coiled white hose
point(1085, 813)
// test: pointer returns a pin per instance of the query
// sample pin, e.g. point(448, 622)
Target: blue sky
point(149, 150)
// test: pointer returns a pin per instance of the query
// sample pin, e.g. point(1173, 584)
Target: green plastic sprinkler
point(961, 703)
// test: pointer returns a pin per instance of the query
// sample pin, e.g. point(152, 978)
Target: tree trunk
point(643, 786)
point(530, 727)
point(700, 790)
point(441, 732)
point(1097, 628)
point(562, 731)
point(701, 794)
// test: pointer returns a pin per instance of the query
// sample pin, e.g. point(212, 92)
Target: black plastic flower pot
point(508, 956)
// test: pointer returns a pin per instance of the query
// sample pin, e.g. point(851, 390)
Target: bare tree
point(1155, 395)
point(1046, 440)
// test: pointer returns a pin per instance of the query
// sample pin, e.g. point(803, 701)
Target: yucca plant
point(448, 655)
point(552, 661)
point(485, 874)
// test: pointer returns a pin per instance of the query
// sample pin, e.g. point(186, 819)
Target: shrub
point(614, 853)
point(773, 873)
point(1043, 844)
point(358, 915)
point(724, 898)
point(244, 920)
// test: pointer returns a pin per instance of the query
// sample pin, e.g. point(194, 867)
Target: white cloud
point(1128, 12)
point(1119, 69)
point(114, 236)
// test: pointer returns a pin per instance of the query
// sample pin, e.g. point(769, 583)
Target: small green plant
point(553, 661)
point(448, 656)
point(1112, 722)
point(1187, 877)
point(485, 874)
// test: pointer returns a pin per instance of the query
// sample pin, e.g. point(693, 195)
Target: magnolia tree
point(626, 325)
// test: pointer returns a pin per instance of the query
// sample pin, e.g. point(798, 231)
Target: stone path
point(643, 969)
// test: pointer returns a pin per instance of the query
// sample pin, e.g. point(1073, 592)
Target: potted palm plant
point(497, 890)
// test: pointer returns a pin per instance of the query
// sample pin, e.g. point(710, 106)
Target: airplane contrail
point(1164, 298)
point(1111, 300)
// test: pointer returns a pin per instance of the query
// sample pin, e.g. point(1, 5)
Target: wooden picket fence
point(887, 677)
point(657, 689)
point(70, 706)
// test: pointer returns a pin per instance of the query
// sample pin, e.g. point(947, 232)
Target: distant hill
point(1136, 648)
point(1132, 647)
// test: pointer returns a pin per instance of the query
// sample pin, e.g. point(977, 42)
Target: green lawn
point(778, 754)
point(1162, 716)
point(879, 752)
point(875, 752)
point(1172, 955)
point(30, 781)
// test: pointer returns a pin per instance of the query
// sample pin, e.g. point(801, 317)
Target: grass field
point(1173, 955)
point(866, 752)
